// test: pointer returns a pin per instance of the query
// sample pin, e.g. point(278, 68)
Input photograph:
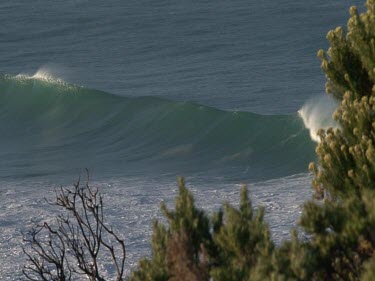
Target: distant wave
point(48, 124)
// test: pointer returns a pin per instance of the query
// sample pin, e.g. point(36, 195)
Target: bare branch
point(78, 240)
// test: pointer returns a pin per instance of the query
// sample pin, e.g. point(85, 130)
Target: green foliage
point(369, 273)
point(342, 226)
point(244, 242)
point(156, 269)
point(292, 260)
point(189, 219)
point(349, 62)
point(178, 249)
point(234, 244)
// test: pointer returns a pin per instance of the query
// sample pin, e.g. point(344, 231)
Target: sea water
point(223, 93)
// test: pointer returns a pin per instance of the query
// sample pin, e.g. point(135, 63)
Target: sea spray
point(48, 73)
point(316, 114)
point(44, 75)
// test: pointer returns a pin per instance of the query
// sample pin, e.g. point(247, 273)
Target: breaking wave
point(317, 114)
point(50, 126)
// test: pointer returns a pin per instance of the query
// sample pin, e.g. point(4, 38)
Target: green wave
point(49, 126)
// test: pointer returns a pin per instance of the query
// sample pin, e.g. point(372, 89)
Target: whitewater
point(223, 93)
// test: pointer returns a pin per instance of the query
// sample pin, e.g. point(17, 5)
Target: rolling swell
point(52, 127)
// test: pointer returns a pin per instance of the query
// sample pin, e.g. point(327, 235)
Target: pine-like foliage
point(342, 226)
point(244, 243)
point(234, 244)
point(179, 250)
point(369, 271)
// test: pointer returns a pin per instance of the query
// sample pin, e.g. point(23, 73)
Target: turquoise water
point(52, 128)
point(140, 92)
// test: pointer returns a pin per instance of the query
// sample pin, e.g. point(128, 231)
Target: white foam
point(316, 114)
point(43, 74)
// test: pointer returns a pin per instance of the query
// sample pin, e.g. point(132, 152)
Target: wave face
point(48, 126)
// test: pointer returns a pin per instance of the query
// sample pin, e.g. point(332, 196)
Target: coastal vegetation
point(336, 240)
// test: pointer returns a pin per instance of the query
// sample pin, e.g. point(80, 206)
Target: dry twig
point(75, 246)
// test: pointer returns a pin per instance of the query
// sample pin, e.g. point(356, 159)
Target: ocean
point(139, 93)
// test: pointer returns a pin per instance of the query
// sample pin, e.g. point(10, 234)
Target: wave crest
point(317, 114)
point(43, 74)
point(71, 126)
